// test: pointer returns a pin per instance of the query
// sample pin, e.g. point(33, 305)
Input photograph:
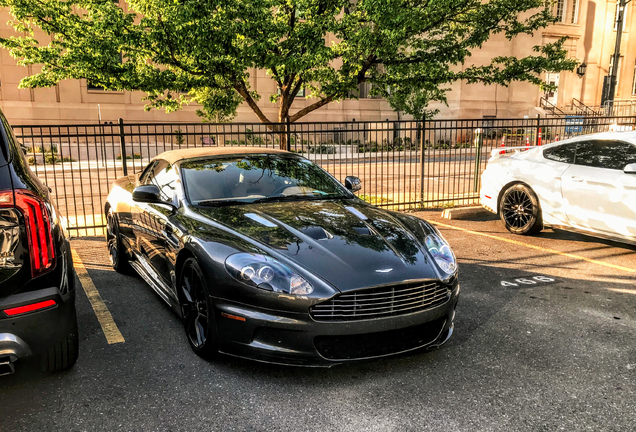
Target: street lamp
point(580, 71)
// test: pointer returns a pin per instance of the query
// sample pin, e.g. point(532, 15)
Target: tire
point(197, 310)
point(62, 355)
point(116, 253)
point(520, 211)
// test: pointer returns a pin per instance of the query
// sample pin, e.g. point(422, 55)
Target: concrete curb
point(465, 212)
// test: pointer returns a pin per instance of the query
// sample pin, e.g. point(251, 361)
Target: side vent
point(316, 233)
point(362, 230)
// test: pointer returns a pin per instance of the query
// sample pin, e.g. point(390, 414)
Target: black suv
point(37, 295)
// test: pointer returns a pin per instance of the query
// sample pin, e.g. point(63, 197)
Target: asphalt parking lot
point(545, 340)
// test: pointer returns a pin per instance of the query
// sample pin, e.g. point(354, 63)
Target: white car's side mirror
point(630, 168)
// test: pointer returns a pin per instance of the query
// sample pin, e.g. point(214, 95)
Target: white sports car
point(585, 184)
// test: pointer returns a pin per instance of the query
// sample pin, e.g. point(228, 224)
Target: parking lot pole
point(122, 147)
point(422, 141)
point(479, 144)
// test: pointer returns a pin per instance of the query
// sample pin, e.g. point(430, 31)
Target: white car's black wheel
point(197, 310)
point(116, 252)
point(520, 211)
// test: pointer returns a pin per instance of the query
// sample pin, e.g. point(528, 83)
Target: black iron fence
point(402, 165)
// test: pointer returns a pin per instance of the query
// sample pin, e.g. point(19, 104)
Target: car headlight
point(441, 253)
point(266, 273)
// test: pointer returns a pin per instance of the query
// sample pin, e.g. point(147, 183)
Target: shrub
point(128, 157)
point(51, 159)
point(32, 161)
point(322, 149)
point(443, 144)
point(179, 137)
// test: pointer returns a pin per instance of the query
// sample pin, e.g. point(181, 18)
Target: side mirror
point(150, 194)
point(630, 168)
point(353, 183)
point(147, 194)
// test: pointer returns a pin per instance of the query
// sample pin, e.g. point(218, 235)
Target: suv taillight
point(38, 229)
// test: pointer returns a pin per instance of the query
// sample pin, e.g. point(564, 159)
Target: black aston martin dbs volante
point(265, 255)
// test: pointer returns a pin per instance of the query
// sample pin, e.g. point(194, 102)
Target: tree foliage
point(184, 51)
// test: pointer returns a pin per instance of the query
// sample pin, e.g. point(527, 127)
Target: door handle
point(576, 179)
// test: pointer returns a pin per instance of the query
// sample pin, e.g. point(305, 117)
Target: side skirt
point(151, 277)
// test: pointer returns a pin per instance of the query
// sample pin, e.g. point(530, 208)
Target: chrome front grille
point(379, 302)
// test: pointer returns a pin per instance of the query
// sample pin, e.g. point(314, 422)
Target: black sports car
point(265, 255)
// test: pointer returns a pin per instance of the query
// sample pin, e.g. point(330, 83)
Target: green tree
point(183, 51)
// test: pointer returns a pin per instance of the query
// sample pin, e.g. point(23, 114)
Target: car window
point(146, 172)
point(256, 176)
point(562, 153)
point(164, 177)
point(607, 154)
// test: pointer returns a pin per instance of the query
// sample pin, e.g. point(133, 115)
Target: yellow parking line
point(112, 333)
point(539, 248)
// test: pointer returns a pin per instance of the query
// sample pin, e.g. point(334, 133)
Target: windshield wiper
point(221, 203)
point(295, 197)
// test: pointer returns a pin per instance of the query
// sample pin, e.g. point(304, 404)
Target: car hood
point(346, 242)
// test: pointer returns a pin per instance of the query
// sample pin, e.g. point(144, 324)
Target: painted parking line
point(539, 248)
point(110, 329)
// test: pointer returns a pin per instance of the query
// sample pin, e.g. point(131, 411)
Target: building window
point(301, 92)
point(560, 10)
point(575, 12)
point(118, 58)
point(616, 16)
point(92, 86)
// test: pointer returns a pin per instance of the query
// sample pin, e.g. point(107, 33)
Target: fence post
point(422, 141)
point(122, 147)
point(288, 134)
point(480, 143)
point(536, 136)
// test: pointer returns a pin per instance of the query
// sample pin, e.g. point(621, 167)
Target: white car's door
point(598, 195)
point(546, 181)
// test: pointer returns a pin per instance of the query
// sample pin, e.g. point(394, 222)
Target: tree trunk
point(283, 115)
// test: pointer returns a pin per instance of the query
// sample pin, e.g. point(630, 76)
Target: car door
point(546, 181)
point(600, 196)
point(137, 210)
point(155, 231)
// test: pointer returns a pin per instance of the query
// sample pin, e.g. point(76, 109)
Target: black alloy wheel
point(116, 253)
point(520, 211)
point(197, 311)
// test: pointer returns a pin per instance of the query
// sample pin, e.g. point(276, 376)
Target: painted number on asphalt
point(529, 280)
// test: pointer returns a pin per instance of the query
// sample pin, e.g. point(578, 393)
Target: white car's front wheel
point(520, 211)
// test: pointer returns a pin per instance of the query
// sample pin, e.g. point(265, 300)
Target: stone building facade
point(589, 26)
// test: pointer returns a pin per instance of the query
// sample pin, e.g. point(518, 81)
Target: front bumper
point(33, 333)
point(297, 339)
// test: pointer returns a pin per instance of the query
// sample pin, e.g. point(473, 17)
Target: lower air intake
point(362, 346)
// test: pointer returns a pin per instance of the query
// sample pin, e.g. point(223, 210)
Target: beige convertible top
point(173, 156)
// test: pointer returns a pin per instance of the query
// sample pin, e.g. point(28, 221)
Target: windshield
point(256, 177)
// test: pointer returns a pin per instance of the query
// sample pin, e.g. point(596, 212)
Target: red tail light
point(38, 228)
point(30, 308)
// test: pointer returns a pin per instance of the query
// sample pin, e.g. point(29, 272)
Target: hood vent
point(316, 233)
point(356, 212)
point(362, 230)
point(261, 220)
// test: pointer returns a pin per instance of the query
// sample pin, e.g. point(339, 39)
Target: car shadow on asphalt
point(483, 299)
